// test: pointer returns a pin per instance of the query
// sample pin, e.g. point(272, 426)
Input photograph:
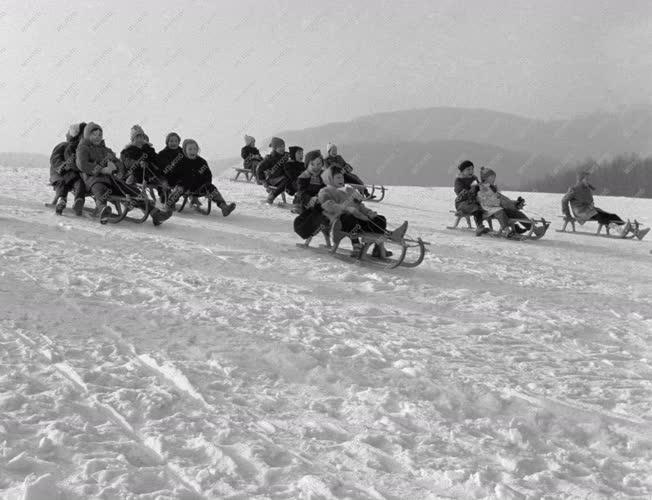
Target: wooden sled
point(533, 233)
point(248, 174)
point(400, 249)
point(376, 193)
point(197, 206)
point(637, 231)
point(141, 205)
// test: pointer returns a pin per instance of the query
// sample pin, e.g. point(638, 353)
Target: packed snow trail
point(211, 358)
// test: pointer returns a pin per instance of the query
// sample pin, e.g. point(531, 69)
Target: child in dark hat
point(283, 175)
point(193, 175)
point(466, 189)
point(276, 158)
point(309, 182)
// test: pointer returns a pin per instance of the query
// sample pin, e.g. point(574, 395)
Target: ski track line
point(69, 373)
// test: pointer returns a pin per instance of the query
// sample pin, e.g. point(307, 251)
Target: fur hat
point(328, 175)
point(330, 146)
point(171, 134)
point(73, 130)
point(90, 128)
point(188, 142)
point(583, 173)
point(294, 150)
point(249, 141)
point(136, 130)
point(464, 165)
point(485, 173)
point(312, 155)
point(276, 142)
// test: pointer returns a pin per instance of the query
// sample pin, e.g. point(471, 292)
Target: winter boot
point(379, 252)
point(480, 230)
point(270, 198)
point(61, 204)
point(399, 233)
point(356, 253)
point(540, 231)
point(227, 208)
point(173, 197)
point(78, 206)
point(626, 229)
point(105, 212)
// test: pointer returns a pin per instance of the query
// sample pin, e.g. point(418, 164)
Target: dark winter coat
point(194, 174)
point(292, 170)
point(168, 160)
point(132, 156)
point(272, 165)
point(308, 186)
point(338, 161)
point(91, 158)
point(59, 171)
point(580, 199)
point(251, 157)
point(466, 201)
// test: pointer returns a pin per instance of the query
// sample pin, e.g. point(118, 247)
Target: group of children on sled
point(481, 199)
point(85, 166)
point(280, 171)
point(321, 195)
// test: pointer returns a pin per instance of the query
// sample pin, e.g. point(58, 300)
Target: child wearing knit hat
point(250, 154)
point(195, 177)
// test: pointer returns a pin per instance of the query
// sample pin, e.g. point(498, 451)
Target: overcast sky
point(214, 70)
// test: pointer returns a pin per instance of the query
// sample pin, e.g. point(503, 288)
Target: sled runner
point(637, 230)
point(249, 174)
point(195, 202)
point(538, 227)
point(402, 251)
point(376, 193)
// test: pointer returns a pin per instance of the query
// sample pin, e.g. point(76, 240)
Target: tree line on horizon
point(624, 175)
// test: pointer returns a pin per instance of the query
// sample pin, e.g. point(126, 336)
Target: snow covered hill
point(212, 358)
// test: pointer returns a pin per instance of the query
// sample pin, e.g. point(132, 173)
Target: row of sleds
point(376, 192)
point(537, 228)
point(138, 202)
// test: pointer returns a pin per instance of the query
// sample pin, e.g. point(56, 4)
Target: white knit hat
point(330, 146)
point(249, 140)
point(135, 131)
point(73, 131)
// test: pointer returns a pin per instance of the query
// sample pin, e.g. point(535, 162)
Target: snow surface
point(212, 358)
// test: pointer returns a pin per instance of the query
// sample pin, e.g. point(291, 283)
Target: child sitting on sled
point(580, 199)
point(309, 183)
point(343, 206)
point(250, 154)
point(466, 202)
point(64, 174)
point(496, 205)
point(333, 159)
point(192, 175)
point(139, 158)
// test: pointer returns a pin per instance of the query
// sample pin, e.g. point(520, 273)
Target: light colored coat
point(335, 202)
point(490, 200)
point(580, 199)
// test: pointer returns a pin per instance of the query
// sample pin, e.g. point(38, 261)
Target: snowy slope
point(211, 358)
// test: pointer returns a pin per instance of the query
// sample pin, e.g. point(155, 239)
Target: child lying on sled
point(500, 207)
point(344, 203)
